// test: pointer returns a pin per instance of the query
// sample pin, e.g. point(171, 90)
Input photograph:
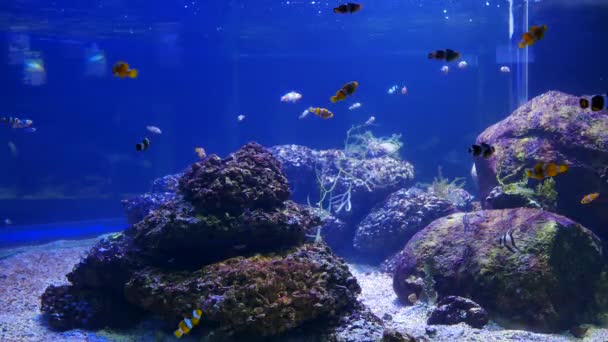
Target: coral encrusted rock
point(261, 295)
point(391, 224)
point(229, 243)
point(163, 190)
point(249, 179)
point(546, 279)
point(552, 128)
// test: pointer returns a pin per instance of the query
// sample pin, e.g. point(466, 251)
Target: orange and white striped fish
point(590, 198)
point(187, 324)
point(541, 170)
point(323, 113)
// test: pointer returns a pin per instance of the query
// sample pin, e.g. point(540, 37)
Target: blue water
point(41, 233)
point(203, 63)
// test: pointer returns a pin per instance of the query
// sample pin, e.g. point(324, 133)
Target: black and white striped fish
point(142, 146)
point(507, 241)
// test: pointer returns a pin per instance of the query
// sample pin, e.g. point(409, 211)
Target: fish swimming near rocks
point(186, 325)
point(542, 170)
point(483, 149)
point(595, 103)
point(590, 198)
point(507, 241)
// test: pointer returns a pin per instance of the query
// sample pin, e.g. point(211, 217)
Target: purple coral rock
point(250, 178)
point(391, 224)
point(552, 128)
point(548, 282)
point(168, 183)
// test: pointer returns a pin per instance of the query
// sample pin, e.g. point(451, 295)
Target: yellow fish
point(541, 170)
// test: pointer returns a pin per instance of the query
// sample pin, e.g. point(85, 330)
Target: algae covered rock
point(261, 295)
point(391, 224)
point(546, 282)
point(551, 128)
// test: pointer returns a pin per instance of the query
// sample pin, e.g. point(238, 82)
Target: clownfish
point(596, 103)
point(121, 69)
point(187, 324)
point(541, 170)
point(535, 34)
point(143, 145)
point(590, 198)
point(323, 113)
point(346, 90)
point(348, 7)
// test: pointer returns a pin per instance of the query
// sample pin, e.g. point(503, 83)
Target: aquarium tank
point(288, 170)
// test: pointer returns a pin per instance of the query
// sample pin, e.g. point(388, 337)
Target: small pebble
point(431, 331)
point(387, 317)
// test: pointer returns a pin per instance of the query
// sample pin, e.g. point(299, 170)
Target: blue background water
point(202, 63)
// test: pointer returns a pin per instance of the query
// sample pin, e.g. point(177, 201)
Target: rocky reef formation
point(391, 224)
point(197, 251)
point(549, 128)
point(545, 279)
point(453, 310)
point(342, 183)
point(163, 190)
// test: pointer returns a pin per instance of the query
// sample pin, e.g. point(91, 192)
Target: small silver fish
point(304, 114)
point(371, 120)
point(354, 106)
point(154, 129)
point(240, 118)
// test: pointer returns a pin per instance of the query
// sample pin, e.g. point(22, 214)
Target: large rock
point(552, 128)
point(391, 224)
point(548, 282)
point(230, 244)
